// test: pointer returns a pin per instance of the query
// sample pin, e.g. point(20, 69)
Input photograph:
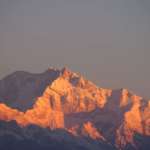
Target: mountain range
point(60, 109)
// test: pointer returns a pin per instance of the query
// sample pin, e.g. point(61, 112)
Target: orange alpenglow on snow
point(46, 112)
point(89, 130)
point(77, 105)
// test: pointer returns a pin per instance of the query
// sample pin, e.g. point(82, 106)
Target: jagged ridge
point(67, 100)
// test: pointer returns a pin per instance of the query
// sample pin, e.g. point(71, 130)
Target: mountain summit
point(62, 99)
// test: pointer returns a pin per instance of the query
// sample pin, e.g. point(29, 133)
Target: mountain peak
point(64, 99)
point(68, 74)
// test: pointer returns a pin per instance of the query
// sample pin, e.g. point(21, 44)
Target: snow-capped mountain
point(63, 101)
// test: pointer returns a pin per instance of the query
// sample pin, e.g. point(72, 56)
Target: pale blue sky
point(108, 41)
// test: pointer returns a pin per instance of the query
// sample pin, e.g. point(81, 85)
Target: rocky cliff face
point(63, 99)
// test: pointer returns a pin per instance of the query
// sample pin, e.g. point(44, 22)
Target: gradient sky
point(108, 41)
